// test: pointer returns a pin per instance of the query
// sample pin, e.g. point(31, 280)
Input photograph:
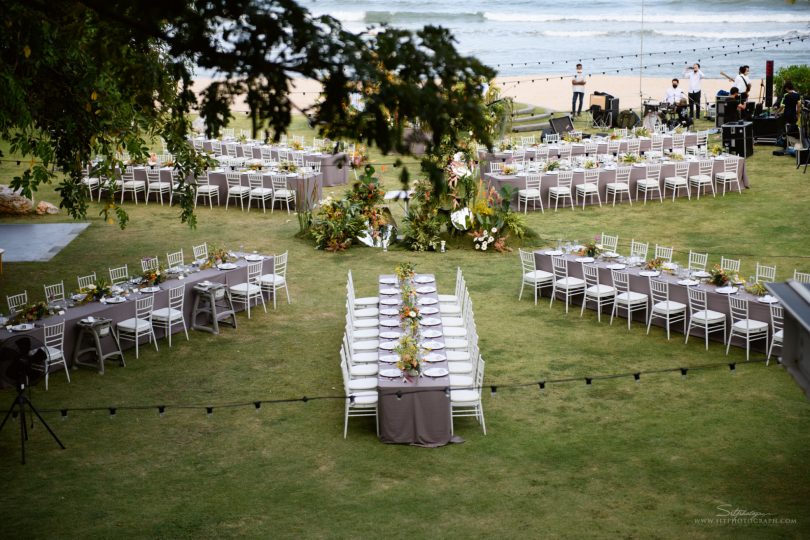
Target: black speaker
point(613, 109)
point(561, 124)
point(720, 112)
point(738, 138)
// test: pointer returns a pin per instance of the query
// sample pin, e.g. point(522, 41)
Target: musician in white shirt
point(743, 83)
point(674, 95)
point(695, 75)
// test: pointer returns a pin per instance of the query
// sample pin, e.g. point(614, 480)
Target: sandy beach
point(553, 94)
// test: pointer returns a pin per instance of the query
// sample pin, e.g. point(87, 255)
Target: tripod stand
point(19, 403)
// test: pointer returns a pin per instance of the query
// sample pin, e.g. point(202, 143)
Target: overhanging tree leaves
point(99, 77)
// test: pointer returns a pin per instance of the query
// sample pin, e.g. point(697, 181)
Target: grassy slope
point(619, 459)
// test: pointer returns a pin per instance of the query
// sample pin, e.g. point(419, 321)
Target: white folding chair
point(651, 183)
point(697, 261)
point(258, 192)
point(467, 401)
point(530, 192)
point(86, 281)
point(361, 400)
point(664, 253)
point(175, 259)
point(236, 190)
point(54, 351)
point(801, 277)
point(149, 263)
point(638, 250)
point(536, 279)
point(250, 290)
point(200, 251)
point(742, 326)
point(732, 265)
point(765, 274)
point(678, 180)
point(562, 190)
point(55, 292)
point(274, 282)
point(155, 185)
point(166, 318)
point(703, 178)
point(729, 175)
point(140, 325)
point(777, 332)
point(569, 286)
point(281, 192)
point(664, 308)
point(363, 302)
point(620, 185)
point(596, 291)
point(589, 188)
point(206, 190)
point(119, 274)
point(129, 184)
point(610, 242)
point(703, 318)
point(626, 299)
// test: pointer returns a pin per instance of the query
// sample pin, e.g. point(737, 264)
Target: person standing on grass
point(578, 84)
point(694, 75)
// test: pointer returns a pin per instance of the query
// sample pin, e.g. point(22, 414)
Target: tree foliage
point(98, 77)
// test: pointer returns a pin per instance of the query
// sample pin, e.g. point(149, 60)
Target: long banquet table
point(420, 415)
point(308, 188)
point(606, 176)
point(126, 310)
point(758, 310)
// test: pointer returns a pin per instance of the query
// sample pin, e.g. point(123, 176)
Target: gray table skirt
point(126, 310)
point(307, 189)
point(608, 176)
point(757, 311)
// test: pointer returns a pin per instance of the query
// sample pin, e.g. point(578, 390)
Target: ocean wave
point(575, 34)
point(379, 17)
point(726, 35)
point(695, 18)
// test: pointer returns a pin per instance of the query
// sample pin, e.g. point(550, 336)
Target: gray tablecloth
point(607, 176)
point(757, 311)
point(307, 188)
point(421, 415)
point(126, 310)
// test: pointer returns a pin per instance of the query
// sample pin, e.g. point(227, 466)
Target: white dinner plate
point(669, 266)
point(554, 252)
point(688, 282)
point(22, 327)
point(432, 333)
point(427, 301)
point(389, 345)
point(254, 258)
point(584, 259)
point(434, 357)
point(388, 281)
point(432, 345)
point(174, 270)
point(391, 373)
point(610, 255)
point(226, 266)
point(639, 165)
point(768, 299)
point(389, 311)
point(389, 323)
point(430, 321)
point(389, 291)
point(726, 290)
point(427, 289)
point(116, 300)
point(389, 358)
point(649, 273)
point(616, 266)
point(390, 335)
point(429, 310)
point(389, 301)
point(424, 279)
point(701, 274)
point(436, 372)
point(78, 297)
point(150, 289)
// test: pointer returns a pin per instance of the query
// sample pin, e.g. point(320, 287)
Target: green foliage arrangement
point(798, 75)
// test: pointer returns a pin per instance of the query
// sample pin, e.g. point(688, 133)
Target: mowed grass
point(618, 459)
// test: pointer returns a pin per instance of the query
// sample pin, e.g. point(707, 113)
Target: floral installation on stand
point(358, 158)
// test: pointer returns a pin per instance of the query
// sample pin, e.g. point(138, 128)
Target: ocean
point(522, 37)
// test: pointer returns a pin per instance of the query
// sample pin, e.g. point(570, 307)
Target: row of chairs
point(359, 358)
point(651, 185)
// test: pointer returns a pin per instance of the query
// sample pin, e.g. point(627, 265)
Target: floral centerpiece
point(592, 249)
point(405, 271)
point(410, 361)
point(484, 238)
point(553, 165)
point(153, 276)
point(217, 256)
point(589, 164)
point(325, 148)
point(642, 132)
point(95, 291)
point(631, 158)
point(756, 288)
point(679, 130)
point(30, 313)
point(409, 316)
point(614, 136)
point(255, 166)
point(509, 170)
point(505, 144)
point(676, 156)
point(654, 264)
point(358, 158)
point(296, 145)
point(716, 150)
point(720, 276)
point(287, 166)
point(572, 138)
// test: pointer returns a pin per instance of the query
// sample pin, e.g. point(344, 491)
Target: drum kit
point(670, 115)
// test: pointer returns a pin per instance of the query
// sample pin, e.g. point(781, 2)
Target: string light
point(112, 412)
point(637, 377)
point(209, 411)
point(542, 385)
point(493, 390)
point(64, 413)
point(683, 372)
point(161, 410)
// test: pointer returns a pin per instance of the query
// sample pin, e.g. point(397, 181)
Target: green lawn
point(618, 459)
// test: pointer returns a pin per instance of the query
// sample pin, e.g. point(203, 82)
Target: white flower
point(412, 314)
point(484, 247)
point(477, 246)
point(494, 229)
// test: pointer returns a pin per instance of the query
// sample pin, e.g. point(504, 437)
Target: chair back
point(623, 175)
point(697, 261)
point(621, 132)
point(697, 299)
point(143, 307)
point(128, 174)
point(55, 335)
point(119, 275)
point(621, 281)
point(55, 292)
point(541, 153)
point(479, 375)
point(203, 181)
point(175, 259)
point(86, 281)
point(801, 277)
point(662, 252)
point(255, 181)
point(315, 166)
point(777, 319)
point(639, 249)
point(591, 273)
point(152, 175)
point(613, 147)
point(149, 263)
point(682, 169)
point(551, 138)
point(177, 296)
point(633, 146)
point(591, 149)
point(17, 301)
point(657, 143)
point(527, 140)
point(216, 148)
point(533, 181)
point(653, 171)
point(565, 151)
point(254, 272)
point(230, 149)
point(495, 167)
point(560, 266)
point(527, 262)
point(265, 153)
point(702, 138)
point(610, 242)
point(730, 264)
point(731, 165)
point(592, 176)
point(201, 251)
point(565, 179)
point(279, 182)
point(738, 307)
point(659, 290)
point(234, 179)
point(280, 266)
point(765, 274)
point(705, 167)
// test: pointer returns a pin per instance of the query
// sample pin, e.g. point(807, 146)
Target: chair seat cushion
point(272, 280)
point(208, 189)
point(559, 190)
point(455, 331)
point(366, 333)
point(461, 381)
point(600, 290)
point(364, 398)
point(618, 186)
point(365, 323)
point(459, 367)
point(587, 188)
point(707, 315)
point(367, 301)
point(366, 383)
point(452, 321)
point(569, 283)
point(538, 275)
point(529, 193)
point(130, 184)
point(455, 357)
point(669, 306)
point(167, 314)
point(134, 325)
point(631, 298)
point(778, 335)
point(90, 181)
point(365, 345)
point(675, 181)
point(238, 189)
point(449, 309)
point(448, 298)
point(463, 396)
point(363, 357)
point(455, 343)
point(363, 370)
point(261, 191)
point(54, 354)
point(700, 179)
point(647, 183)
point(728, 176)
point(283, 193)
point(243, 289)
point(159, 185)
point(749, 325)
point(366, 312)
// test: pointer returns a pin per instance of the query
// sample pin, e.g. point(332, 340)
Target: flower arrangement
point(631, 158)
point(255, 166)
point(296, 145)
point(642, 132)
point(509, 170)
point(410, 361)
point(168, 163)
point(405, 271)
point(756, 288)
point(572, 138)
point(287, 166)
point(589, 164)
point(95, 291)
point(409, 316)
point(31, 312)
point(720, 276)
point(716, 150)
point(592, 249)
point(676, 156)
point(325, 148)
point(614, 137)
point(484, 238)
point(358, 158)
point(553, 165)
point(505, 144)
point(217, 256)
point(153, 276)
point(680, 129)
point(654, 264)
